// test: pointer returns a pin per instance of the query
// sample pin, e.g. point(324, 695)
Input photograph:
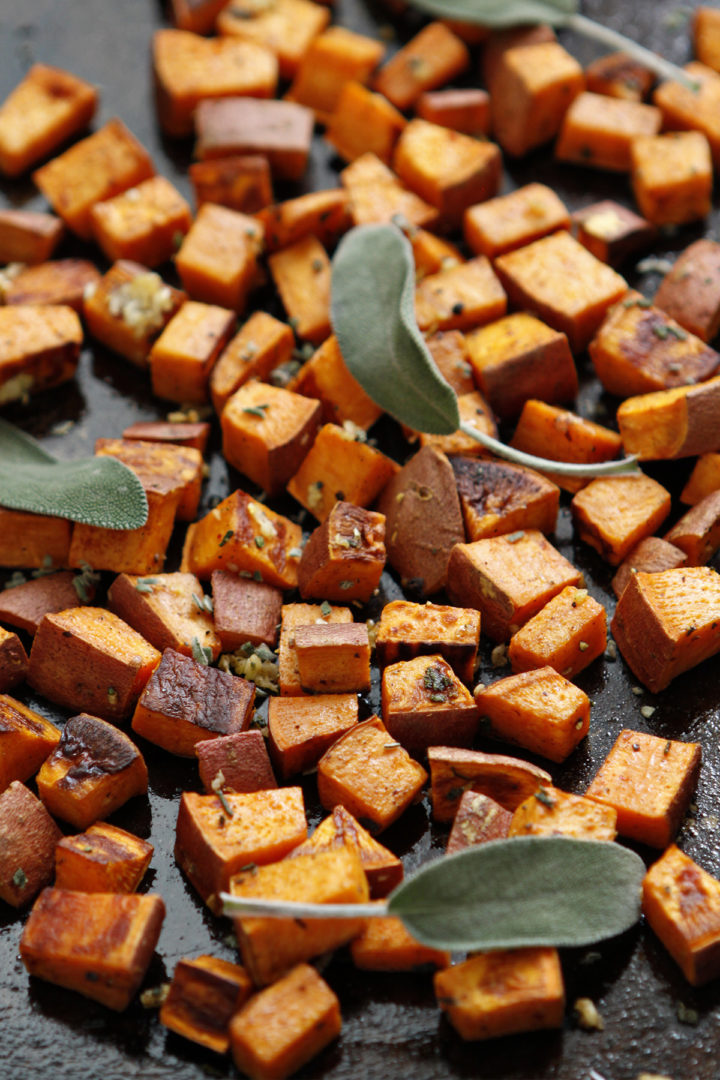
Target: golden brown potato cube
point(42, 112)
point(333, 659)
point(681, 902)
point(87, 658)
point(618, 75)
point(460, 297)
point(667, 622)
point(503, 992)
point(531, 89)
point(238, 762)
point(651, 555)
point(217, 261)
point(294, 615)
point(497, 497)
point(363, 122)
point(285, 1025)
point(103, 859)
point(614, 513)
point(97, 944)
point(13, 660)
point(28, 836)
point(551, 812)
point(597, 132)
point(36, 540)
point(27, 236)
point(261, 344)
point(169, 610)
point(301, 273)
point(267, 431)
point(344, 558)
point(94, 770)
point(368, 773)
point(433, 57)
point(241, 182)
point(407, 630)
point(61, 281)
point(286, 28)
point(511, 221)
point(672, 177)
point(567, 634)
point(142, 223)
point(696, 109)
point(650, 782)
point(335, 57)
point(324, 214)
point(690, 292)
point(697, 533)
point(325, 376)
point(508, 579)
point(26, 739)
point(385, 945)
point(611, 232)
point(189, 68)
point(477, 820)
point(425, 704)
point(671, 423)
point(383, 870)
point(205, 993)
point(104, 164)
point(706, 36)
point(245, 611)
point(216, 837)
point(562, 283)
point(183, 356)
point(467, 110)
point(453, 771)
point(280, 130)
point(449, 170)
point(377, 196)
point(39, 348)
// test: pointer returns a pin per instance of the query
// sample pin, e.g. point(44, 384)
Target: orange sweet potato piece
point(706, 36)
point(650, 782)
point(279, 130)
point(103, 859)
point(703, 480)
point(323, 214)
point(377, 195)
point(24, 606)
point(205, 993)
point(551, 812)
point(39, 348)
point(333, 659)
point(301, 273)
point(335, 57)
point(618, 75)
point(383, 869)
point(364, 122)
point(477, 820)
point(611, 232)
point(567, 634)
point(460, 297)
point(261, 344)
point(672, 176)
point(406, 630)
point(433, 57)
point(26, 739)
point(241, 182)
point(425, 704)
point(129, 551)
point(301, 729)
point(294, 615)
point(448, 349)
point(385, 945)
point(326, 377)
point(690, 292)
point(168, 610)
point(684, 108)
point(453, 771)
point(671, 423)
point(60, 281)
point(196, 15)
point(497, 497)
point(465, 110)
point(237, 762)
point(217, 261)
point(98, 944)
point(28, 836)
point(286, 28)
point(697, 533)
point(474, 410)
point(511, 221)
point(651, 555)
point(597, 132)
point(614, 513)
point(161, 467)
point(33, 540)
point(245, 611)
point(27, 236)
point(13, 660)
point(344, 558)
point(499, 41)
point(183, 433)
point(142, 223)
point(183, 356)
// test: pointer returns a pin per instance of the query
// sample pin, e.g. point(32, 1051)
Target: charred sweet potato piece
point(690, 292)
point(217, 260)
point(103, 859)
point(453, 771)
point(261, 344)
point(614, 513)
point(245, 610)
point(364, 122)
point(28, 836)
point(26, 739)
point(183, 356)
point(238, 762)
point(460, 297)
point(671, 423)
point(425, 704)
point(672, 176)
point(497, 497)
point(618, 75)
point(611, 232)
point(433, 57)
point(511, 221)
point(466, 110)
point(13, 660)
point(87, 658)
point(597, 132)
point(301, 273)
point(649, 781)
point(325, 376)
point(377, 195)
point(184, 433)
point(241, 182)
point(97, 944)
point(286, 28)
point(58, 282)
point(697, 533)
point(478, 818)
point(333, 659)
point(279, 130)
point(24, 606)
point(385, 945)
point(94, 770)
point(695, 109)
point(370, 775)
point(406, 630)
point(551, 812)
point(167, 609)
point(39, 348)
point(142, 223)
point(205, 993)
point(567, 634)
point(335, 57)
point(36, 540)
point(651, 555)
point(344, 558)
point(27, 236)
point(666, 623)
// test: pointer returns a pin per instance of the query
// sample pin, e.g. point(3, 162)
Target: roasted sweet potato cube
point(667, 622)
point(97, 944)
point(189, 68)
point(706, 36)
point(261, 344)
point(681, 902)
point(672, 176)
point(129, 551)
point(237, 762)
point(216, 837)
point(597, 132)
point(36, 540)
point(531, 89)
point(377, 196)
point(196, 15)
point(695, 108)
point(88, 658)
point(279, 130)
point(344, 558)
point(164, 468)
point(241, 182)
point(465, 110)
point(169, 611)
point(614, 513)
point(551, 812)
point(142, 223)
point(453, 771)
point(385, 945)
point(28, 836)
point(539, 710)
point(270, 946)
point(325, 376)
point(333, 659)
point(562, 283)
point(474, 410)
point(363, 122)
point(433, 57)
point(503, 992)
point(104, 164)
point(267, 430)
point(651, 555)
point(460, 297)
point(425, 704)
point(285, 1025)
point(618, 75)
point(335, 57)
point(39, 349)
point(406, 630)
point(26, 739)
point(13, 660)
point(650, 782)
point(245, 611)
point(43, 111)
point(286, 28)
point(205, 993)
point(61, 281)
point(499, 41)
point(567, 635)
point(24, 606)
point(703, 480)
point(27, 236)
point(511, 221)
point(294, 615)
point(697, 533)
point(94, 770)
point(497, 497)
point(477, 820)
point(103, 859)
point(301, 273)
point(448, 349)
point(611, 232)
point(690, 292)
point(323, 214)
point(383, 869)
point(369, 774)
point(183, 356)
point(508, 579)
point(183, 433)
point(671, 423)
point(217, 260)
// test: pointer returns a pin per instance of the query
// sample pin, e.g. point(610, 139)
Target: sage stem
point(606, 36)
point(562, 468)
point(293, 909)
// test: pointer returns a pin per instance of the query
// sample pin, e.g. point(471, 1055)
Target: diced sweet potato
point(97, 944)
point(142, 223)
point(672, 176)
point(433, 57)
point(301, 729)
point(241, 182)
point(129, 551)
point(693, 108)
point(703, 480)
point(614, 513)
point(36, 540)
point(87, 658)
point(706, 36)
point(425, 704)
point(378, 196)
point(27, 236)
point(465, 110)
point(335, 57)
point(383, 869)
point(301, 273)
point(205, 993)
point(168, 610)
point(217, 261)
point(61, 281)
point(245, 611)
point(13, 660)
point(286, 27)
point(326, 377)
point(385, 945)
point(497, 497)
point(618, 75)
point(477, 820)
point(26, 739)
point(475, 411)
point(551, 812)
point(162, 467)
point(697, 533)
point(407, 630)
point(333, 659)
point(323, 214)
point(103, 859)
point(690, 292)
point(185, 433)
point(567, 634)
point(448, 349)
point(344, 558)
point(671, 423)
point(364, 122)
point(611, 232)
point(511, 221)
point(28, 836)
point(499, 41)
point(39, 349)
point(453, 771)
point(651, 555)
point(649, 781)
point(598, 132)
point(261, 344)
point(460, 297)
point(294, 615)
point(196, 15)
point(279, 130)
point(237, 763)
point(183, 356)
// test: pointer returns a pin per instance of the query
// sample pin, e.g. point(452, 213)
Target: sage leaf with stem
point(505, 894)
point(95, 491)
point(372, 310)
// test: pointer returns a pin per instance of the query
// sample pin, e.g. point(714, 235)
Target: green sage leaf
point(500, 13)
point(373, 316)
point(530, 890)
point(96, 491)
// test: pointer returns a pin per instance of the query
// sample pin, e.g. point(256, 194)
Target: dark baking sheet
point(391, 1025)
